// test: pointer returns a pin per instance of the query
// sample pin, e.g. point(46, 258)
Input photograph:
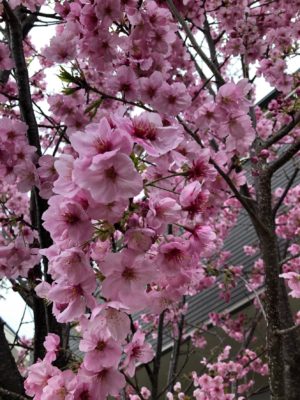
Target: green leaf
point(69, 90)
point(94, 106)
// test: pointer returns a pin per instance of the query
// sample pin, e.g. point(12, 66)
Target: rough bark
point(283, 350)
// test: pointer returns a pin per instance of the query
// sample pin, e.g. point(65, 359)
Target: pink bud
point(264, 153)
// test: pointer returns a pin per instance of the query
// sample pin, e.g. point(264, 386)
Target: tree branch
point(10, 377)
point(157, 359)
point(247, 203)
point(211, 44)
point(175, 352)
point(285, 192)
point(287, 330)
point(22, 78)
point(282, 132)
point(285, 157)
point(9, 395)
point(45, 321)
point(199, 51)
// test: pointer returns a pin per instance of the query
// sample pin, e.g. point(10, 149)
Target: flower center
point(111, 174)
point(11, 135)
point(175, 255)
point(136, 352)
point(145, 130)
point(70, 218)
point(102, 146)
point(129, 274)
point(101, 345)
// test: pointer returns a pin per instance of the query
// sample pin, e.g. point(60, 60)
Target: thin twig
point(192, 39)
point(284, 158)
point(287, 330)
point(285, 192)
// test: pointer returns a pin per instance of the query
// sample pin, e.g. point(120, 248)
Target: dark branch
point(176, 351)
point(9, 395)
point(285, 192)
point(285, 157)
point(192, 39)
point(282, 132)
point(22, 78)
point(10, 377)
point(157, 359)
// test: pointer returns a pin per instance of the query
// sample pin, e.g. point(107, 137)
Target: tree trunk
point(10, 377)
point(283, 350)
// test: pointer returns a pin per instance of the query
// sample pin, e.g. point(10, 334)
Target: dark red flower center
point(111, 174)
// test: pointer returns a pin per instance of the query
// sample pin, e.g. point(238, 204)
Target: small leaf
point(93, 107)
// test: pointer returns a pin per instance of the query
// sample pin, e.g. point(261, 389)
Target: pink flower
point(71, 263)
point(66, 220)
point(231, 97)
point(115, 318)
point(162, 212)
point(108, 10)
point(100, 138)
point(126, 276)
point(70, 298)
point(137, 351)
point(145, 392)
point(51, 344)
point(83, 391)
point(293, 281)
point(202, 238)
point(101, 350)
point(17, 259)
point(174, 256)
point(111, 212)
point(200, 168)
point(110, 178)
point(240, 132)
point(193, 198)
point(59, 387)
point(149, 87)
point(12, 130)
point(156, 139)
point(62, 47)
point(139, 239)
point(104, 382)
point(27, 176)
point(172, 99)
point(38, 376)
point(65, 185)
point(207, 116)
point(6, 63)
point(125, 82)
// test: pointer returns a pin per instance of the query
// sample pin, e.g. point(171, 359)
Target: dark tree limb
point(220, 80)
point(22, 78)
point(158, 355)
point(7, 394)
point(285, 130)
point(284, 158)
point(176, 352)
point(10, 377)
point(287, 330)
point(285, 192)
point(45, 321)
point(211, 44)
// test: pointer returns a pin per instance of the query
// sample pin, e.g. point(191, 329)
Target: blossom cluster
point(138, 150)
